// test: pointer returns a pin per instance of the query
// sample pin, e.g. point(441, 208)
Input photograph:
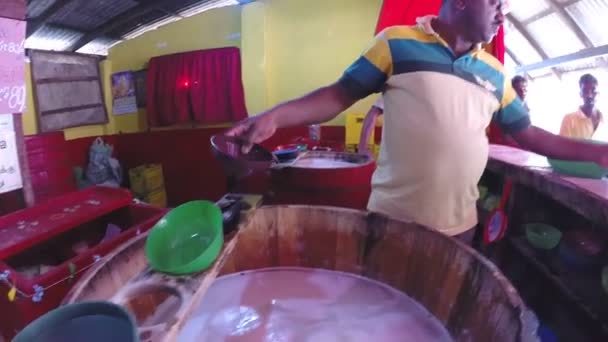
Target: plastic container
point(147, 178)
point(483, 192)
point(314, 132)
point(582, 248)
point(286, 153)
point(156, 198)
point(579, 169)
point(237, 164)
point(88, 321)
point(187, 240)
point(543, 236)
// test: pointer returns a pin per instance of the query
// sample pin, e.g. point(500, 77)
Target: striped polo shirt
point(436, 109)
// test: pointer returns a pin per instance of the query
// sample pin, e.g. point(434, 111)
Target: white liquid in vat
point(323, 163)
point(302, 305)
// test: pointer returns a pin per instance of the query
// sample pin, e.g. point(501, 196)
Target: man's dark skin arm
point(318, 106)
point(553, 146)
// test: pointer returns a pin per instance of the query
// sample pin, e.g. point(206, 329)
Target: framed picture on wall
point(140, 87)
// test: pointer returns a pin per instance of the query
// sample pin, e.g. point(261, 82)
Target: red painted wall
point(190, 170)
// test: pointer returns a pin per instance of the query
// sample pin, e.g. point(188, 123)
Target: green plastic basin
point(578, 168)
point(543, 236)
point(187, 240)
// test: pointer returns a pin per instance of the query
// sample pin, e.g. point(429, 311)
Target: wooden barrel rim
point(358, 160)
point(528, 320)
point(76, 291)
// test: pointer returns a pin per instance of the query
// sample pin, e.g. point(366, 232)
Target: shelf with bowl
point(560, 278)
point(582, 289)
point(577, 186)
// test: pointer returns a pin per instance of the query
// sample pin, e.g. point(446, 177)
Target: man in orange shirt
point(520, 84)
point(583, 123)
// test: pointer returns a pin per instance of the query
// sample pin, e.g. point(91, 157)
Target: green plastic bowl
point(483, 192)
point(187, 240)
point(578, 168)
point(543, 236)
point(87, 321)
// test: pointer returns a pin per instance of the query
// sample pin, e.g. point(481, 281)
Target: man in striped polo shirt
point(440, 90)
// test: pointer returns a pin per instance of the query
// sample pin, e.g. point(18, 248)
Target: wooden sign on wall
point(14, 9)
point(12, 66)
point(67, 90)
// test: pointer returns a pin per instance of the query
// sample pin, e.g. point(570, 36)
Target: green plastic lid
point(187, 240)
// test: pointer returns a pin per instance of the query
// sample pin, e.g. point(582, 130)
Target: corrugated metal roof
point(60, 24)
point(90, 14)
point(590, 16)
point(520, 46)
point(174, 12)
point(559, 28)
point(554, 36)
point(526, 9)
point(583, 64)
point(99, 46)
point(542, 20)
point(36, 7)
point(52, 38)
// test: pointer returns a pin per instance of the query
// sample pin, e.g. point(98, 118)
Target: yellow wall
point(253, 54)
point(310, 43)
point(216, 28)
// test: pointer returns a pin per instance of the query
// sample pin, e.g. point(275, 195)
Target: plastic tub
point(187, 240)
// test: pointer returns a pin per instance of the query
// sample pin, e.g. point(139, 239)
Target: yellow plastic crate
point(146, 178)
point(156, 198)
point(354, 125)
point(352, 148)
point(376, 149)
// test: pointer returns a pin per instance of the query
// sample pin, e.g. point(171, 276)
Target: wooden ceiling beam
point(127, 17)
point(35, 24)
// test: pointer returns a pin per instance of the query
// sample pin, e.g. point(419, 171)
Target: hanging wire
point(39, 290)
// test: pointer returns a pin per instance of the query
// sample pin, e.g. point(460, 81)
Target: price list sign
point(10, 173)
point(12, 66)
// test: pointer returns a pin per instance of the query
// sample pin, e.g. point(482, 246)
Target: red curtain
point(405, 12)
point(495, 135)
point(498, 45)
point(201, 86)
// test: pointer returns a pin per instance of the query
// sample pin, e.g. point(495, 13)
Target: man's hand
point(557, 147)
point(364, 149)
point(254, 130)
point(319, 106)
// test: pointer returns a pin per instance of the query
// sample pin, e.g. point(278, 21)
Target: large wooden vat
point(467, 293)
